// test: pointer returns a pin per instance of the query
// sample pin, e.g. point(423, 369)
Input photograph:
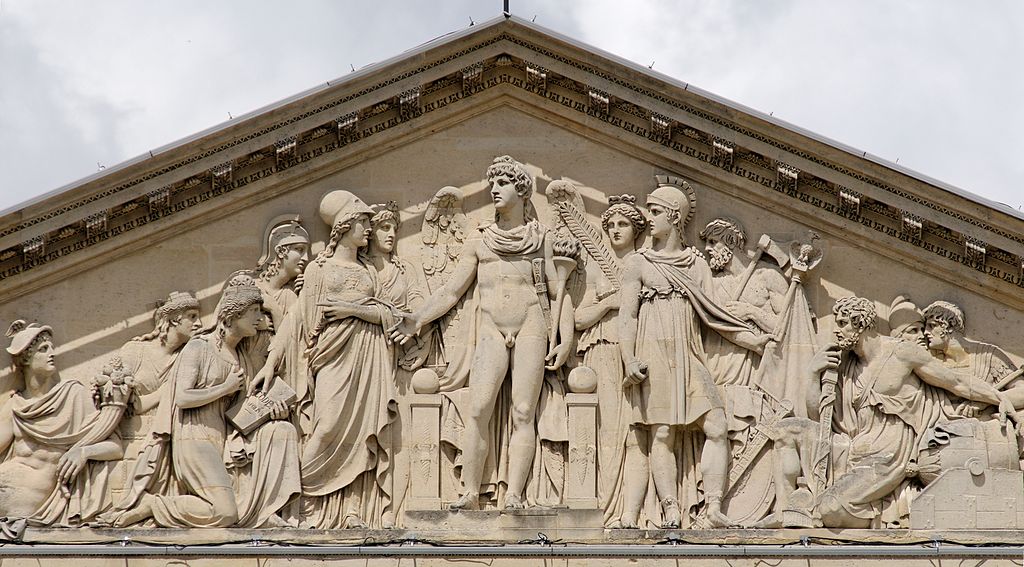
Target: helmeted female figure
point(346, 457)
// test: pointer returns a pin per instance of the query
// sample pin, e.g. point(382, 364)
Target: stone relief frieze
point(595, 361)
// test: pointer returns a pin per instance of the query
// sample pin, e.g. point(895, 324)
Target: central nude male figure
point(510, 261)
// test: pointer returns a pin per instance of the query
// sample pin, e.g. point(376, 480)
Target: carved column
point(581, 475)
point(424, 439)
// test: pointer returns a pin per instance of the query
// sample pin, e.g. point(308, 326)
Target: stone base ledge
point(557, 527)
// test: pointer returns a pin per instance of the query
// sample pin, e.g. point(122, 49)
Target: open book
point(250, 412)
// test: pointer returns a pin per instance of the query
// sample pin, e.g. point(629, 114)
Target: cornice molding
point(696, 131)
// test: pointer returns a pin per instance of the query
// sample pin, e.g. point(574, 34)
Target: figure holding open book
point(204, 381)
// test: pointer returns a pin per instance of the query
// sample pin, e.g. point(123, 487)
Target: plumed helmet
point(282, 231)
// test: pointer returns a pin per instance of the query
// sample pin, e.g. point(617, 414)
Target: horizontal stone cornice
point(324, 130)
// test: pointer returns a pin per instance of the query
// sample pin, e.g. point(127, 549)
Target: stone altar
point(503, 287)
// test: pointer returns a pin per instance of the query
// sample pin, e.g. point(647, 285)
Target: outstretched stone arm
point(441, 301)
point(1015, 393)
point(1008, 381)
point(968, 386)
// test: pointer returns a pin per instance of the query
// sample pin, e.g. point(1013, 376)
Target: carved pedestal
point(966, 499)
point(424, 438)
point(581, 474)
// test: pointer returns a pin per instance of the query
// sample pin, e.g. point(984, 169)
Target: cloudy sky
point(934, 84)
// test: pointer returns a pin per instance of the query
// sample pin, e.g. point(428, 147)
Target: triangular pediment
point(715, 142)
point(93, 259)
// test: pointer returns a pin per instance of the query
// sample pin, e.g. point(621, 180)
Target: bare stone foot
point(130, 517)
point(468, 501)
point(719, 520)
point(623, 524)
point(514, 502)
point(387, 521)
point(353, 522)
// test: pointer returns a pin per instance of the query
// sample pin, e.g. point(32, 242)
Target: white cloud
point(925, 82)
point(50, 131)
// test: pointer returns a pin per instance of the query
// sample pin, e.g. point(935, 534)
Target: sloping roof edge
point(476, 29)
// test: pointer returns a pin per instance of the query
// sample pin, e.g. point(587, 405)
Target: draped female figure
point(349, 372)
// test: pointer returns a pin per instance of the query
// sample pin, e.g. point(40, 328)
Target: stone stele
point(512, 296)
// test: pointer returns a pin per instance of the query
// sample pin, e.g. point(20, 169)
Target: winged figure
point(444, 233)
point(445, 225)
point(571, 220)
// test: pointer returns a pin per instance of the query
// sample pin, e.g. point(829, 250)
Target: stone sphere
point(582, 380)
point(425, 381)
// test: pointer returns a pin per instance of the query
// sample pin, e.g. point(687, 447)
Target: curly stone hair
point(238, 296)
point(384, 212)
point(951, 316)
point(506, 165)
point(861, 311)
point(169, 314)
point(726, 230)
point(625, 205)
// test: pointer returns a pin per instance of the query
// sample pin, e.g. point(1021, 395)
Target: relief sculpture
point(398, 286)
point(346, 458)
point(59, 437)
point(149, 359)
point(880, 411)
point(517, 364)
point(217, 482)
point(666, 296)
point(598, 345)
point(510, 261)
